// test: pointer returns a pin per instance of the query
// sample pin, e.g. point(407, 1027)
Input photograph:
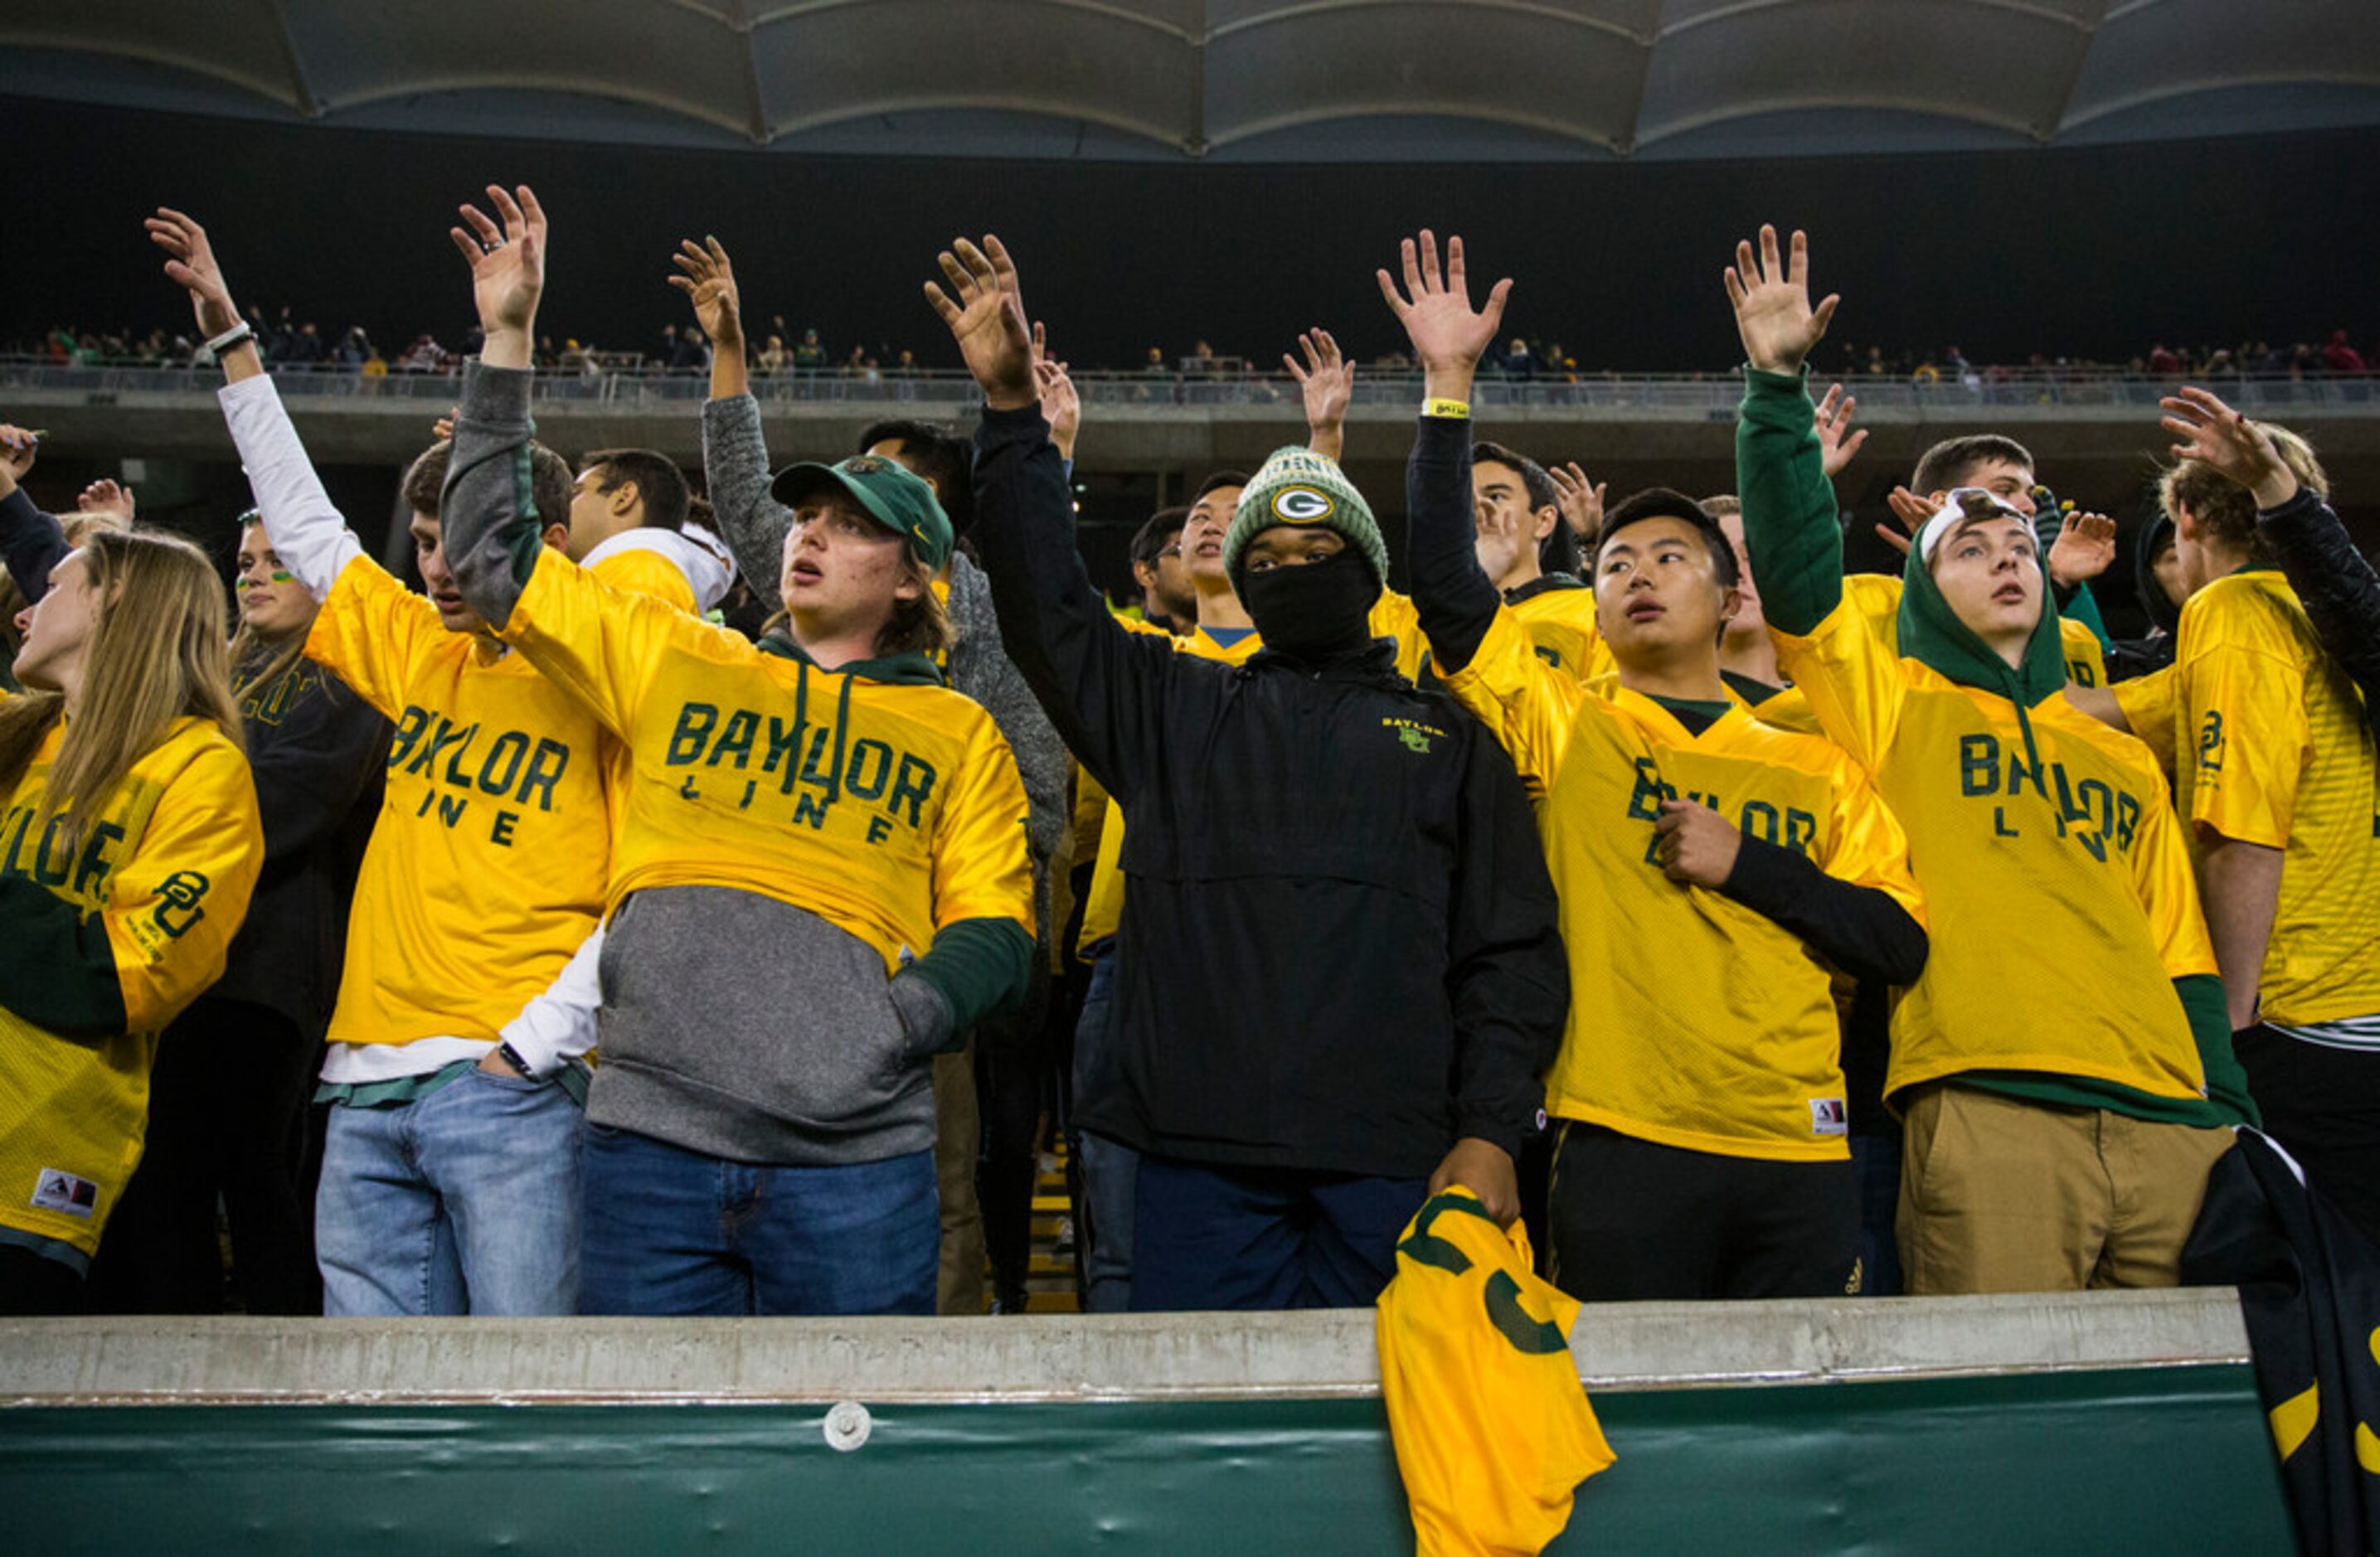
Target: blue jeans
point(1110, 1169)
point(1109, 1165)
point(464, 1201)
point(675, 1232)
point(1210, 1238)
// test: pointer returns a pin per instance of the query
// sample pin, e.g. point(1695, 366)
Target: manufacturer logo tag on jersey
point(56, 1190)
point(1828, 1117)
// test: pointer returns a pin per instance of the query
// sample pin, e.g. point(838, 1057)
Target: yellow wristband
point(1458, 409)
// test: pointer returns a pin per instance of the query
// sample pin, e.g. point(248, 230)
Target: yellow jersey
point(1696, 1021)
point(1492, 1428)
point(2046, 808)
point(874, 797)
point(1561, 622)
point(2272, 747)
point(104, 944)
point(487, 864)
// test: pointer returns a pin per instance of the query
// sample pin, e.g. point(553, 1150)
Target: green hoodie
point(1793, 534)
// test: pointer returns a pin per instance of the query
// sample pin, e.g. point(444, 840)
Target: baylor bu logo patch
point(1303, 505)
point(1415, 735)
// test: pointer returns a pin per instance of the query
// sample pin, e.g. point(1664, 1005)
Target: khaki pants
point(959, 1287)
point(1998, 1194)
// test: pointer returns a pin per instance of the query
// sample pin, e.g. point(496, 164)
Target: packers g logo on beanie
point(1302, 505)
point(1299, 486)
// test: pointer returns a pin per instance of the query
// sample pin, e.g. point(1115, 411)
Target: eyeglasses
point(1173, 551)
point(278, 575)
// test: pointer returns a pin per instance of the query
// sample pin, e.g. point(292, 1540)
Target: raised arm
point(32, 542)
point(708, 279)
point(308, 532)
point(1790, 520)
point(491, 528)
point(1100, 685)
point(735, 450)
point(1326, 381)
point(1456, 601)
point(2334, 583)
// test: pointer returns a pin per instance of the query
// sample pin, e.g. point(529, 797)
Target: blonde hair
point(157, 653)
point(258, 661)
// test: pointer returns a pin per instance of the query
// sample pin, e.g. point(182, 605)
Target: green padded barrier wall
point(1768, 1428)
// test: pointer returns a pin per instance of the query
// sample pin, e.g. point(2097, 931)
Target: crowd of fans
point(708, 904)
point(781, 349)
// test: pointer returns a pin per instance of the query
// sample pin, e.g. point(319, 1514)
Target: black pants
point(35, 1284)
point(1634, 1221)
point(1011, 1063)
point(2323, 1105)
point(228, 1120)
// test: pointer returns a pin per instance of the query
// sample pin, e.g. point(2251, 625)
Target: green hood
point(901, 669)
point(1932, 633)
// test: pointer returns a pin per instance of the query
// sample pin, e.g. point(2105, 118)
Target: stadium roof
point(1266, 80)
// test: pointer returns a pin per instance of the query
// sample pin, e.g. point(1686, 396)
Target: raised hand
point(2215, 435)
point(1837, 442)
point(1912, 510)
point(708, 281)
point(105, 497)
point(1500, 539)
point(20, 447)
point(2084, 548)
point(1327, 379)
point(190, 263)
point(507, 267)
point(1580, 503)
point(1061, 406)
point(1772, 304)
point(1447, 334)
point(986, 316)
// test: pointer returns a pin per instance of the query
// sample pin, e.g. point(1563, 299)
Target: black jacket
point(1338, 949)
point(2131, 657)
point(318, 753)
point(2337, 587)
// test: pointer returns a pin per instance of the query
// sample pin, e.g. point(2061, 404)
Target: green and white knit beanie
point(1300, 487)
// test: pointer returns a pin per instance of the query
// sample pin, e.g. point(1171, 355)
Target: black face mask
point(1314, 609)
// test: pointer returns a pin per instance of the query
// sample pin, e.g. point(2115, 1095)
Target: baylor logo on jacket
point(1415, 735)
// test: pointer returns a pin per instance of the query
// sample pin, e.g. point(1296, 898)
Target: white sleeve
point(559, 1025)
point(310, 535)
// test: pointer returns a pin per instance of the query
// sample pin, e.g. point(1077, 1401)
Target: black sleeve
point(1859, 929)
point(1103, 685)
point(1508, 979)
point(1455, 599)
point(31, 543)
point(311, 765)
point(2337, 587)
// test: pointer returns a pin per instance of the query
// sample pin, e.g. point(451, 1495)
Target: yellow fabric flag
point(1493, 1430)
